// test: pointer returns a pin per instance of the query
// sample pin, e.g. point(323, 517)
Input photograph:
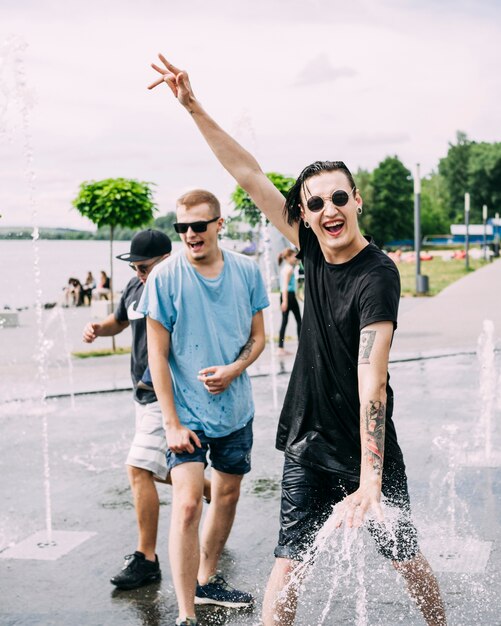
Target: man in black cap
point(146, 460)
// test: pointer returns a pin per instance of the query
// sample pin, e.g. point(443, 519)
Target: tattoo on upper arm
point(246, 350)
point(367, 338)
point(375, 413)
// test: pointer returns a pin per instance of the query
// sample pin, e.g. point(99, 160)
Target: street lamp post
point(484, 219)
point(496, 237)
point(421, 281)
point(467, 224)
point(417, 224)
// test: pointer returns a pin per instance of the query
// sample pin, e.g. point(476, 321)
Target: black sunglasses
point(196, 227)
point(142, 269)
point(339, 198)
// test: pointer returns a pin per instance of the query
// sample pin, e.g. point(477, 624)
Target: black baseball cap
point(146, 245)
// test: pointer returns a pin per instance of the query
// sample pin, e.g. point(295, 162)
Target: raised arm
point(375, 342)
point(233, 157)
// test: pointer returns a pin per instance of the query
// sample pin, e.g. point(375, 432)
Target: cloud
point(321, 70)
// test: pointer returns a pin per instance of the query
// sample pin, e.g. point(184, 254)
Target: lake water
point(58, 261)
point(62, 259)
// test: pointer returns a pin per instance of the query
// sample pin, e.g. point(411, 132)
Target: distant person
point(73, 293)
point(103, 289)
point(88, 287)
point(205, 327)
point(287, 262)
point(146, 461)
point(336, 426)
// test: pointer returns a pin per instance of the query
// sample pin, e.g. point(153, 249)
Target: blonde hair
point(200, 196)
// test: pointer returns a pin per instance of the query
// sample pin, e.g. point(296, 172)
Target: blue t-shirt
point(209, 320)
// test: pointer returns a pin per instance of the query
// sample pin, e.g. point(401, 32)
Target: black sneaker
point(189, 621)
point(136, 572)
point(218, 591)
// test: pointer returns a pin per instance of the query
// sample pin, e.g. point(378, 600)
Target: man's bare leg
point(225, 491)
point(207, 487)
point(280, 597)
point(147, 506)
point(184, 547)
point(423, 589)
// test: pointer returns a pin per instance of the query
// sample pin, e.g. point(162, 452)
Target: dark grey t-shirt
point(126, 311)
point(320, 421)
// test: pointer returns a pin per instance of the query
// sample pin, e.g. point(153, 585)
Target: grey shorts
point(149, 445)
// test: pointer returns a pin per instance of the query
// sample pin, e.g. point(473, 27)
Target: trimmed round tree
point(116, 202)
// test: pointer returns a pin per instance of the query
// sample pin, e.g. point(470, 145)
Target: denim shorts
point(308, 496)
point(230, 454)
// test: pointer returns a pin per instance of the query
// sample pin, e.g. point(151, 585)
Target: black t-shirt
point(320, 421)
point(126, 311)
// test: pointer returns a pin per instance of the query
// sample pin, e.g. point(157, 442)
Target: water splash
point(337, 559)
point(58, 314)
point(16, 52)
point(444, 489)
point(486, 357)
point(484, 453)
point(244, 127)
point(267, 265)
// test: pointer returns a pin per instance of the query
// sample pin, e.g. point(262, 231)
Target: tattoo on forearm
point(374, 432)
point(246, 350)
point(367, 338)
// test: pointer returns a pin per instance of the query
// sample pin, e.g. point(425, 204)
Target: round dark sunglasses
point(196, 227)
point(339, 198)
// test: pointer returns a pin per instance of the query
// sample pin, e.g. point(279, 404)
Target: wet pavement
point(440, 414)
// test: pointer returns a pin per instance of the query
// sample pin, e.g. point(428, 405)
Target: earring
point(359, 209)
point(306, 224)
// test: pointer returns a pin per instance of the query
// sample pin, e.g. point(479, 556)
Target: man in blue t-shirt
point(205, 327)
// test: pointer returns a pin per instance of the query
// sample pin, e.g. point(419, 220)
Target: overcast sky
point(294, 80)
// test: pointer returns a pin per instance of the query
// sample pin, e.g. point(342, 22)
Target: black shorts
point(308, 496)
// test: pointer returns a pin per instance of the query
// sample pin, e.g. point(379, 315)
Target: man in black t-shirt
point(336, 425)
point(146, 461)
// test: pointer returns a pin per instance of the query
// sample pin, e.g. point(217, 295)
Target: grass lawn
point(104, 352)
point(440, 273)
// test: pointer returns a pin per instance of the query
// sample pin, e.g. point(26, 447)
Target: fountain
point(452, 547)
point(485, 454)
point(46, 544)
point(244, 128)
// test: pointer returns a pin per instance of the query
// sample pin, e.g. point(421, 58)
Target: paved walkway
point(452, 321)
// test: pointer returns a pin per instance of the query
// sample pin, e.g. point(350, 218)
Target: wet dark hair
point(292, 208)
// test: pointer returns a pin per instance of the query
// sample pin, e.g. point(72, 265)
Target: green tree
point(244, 204)
point(166, 223)
point(236, 228)
point(454, 168)
point(115, 202)
point(363, 181)
point(391, 214)
point(484, 178)
point(434, 206)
